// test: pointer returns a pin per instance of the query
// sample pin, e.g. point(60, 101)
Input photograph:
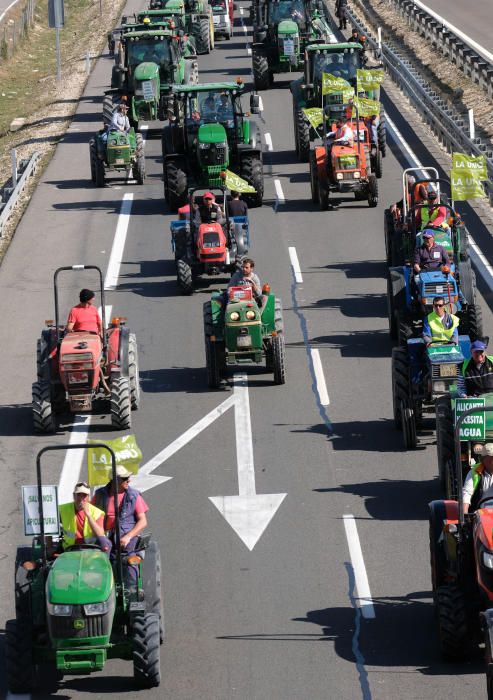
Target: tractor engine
point(437, 283)
point(117, 149)
point(213, 147)
point(243, 323)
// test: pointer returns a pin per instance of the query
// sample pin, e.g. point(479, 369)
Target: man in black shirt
point(236, 206)
point(478, 371)
point(208, 212)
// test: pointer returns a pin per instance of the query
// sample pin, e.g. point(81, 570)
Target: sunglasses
point(438, 304)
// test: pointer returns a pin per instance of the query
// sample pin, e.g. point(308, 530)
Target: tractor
point(117, 151)
point(461, 556)
point(207, 249)
point(208, 132)
point(222, 17)
point(198, 20)
point(80, 368)
point(343, 168)
point(342, 61)
point(150, 61)
point(75, 607)
point(285, 27)
point(240, 329)
point(422, 378)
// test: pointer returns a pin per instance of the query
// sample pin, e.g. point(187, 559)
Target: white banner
point(32, 521)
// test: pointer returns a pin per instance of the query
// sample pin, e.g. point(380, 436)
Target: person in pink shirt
point(85, 316)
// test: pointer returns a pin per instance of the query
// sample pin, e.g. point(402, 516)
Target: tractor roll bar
point(458, 467)
point(101, 291)
point(81, 446)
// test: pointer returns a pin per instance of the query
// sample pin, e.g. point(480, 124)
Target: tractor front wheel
point(302, 135)
point(377, 164)
point(42, 409)
point(313, 177)
point(445, 440)
point(252, 171)
point(261, 75)
point(202, 32)
point(408, 420)
point(100, 173)
point(121, 417)
point(452, 621)
point(278, 359)
point(184, 276)
point(133, 372)
point(372, 191)
point(145, 650)
point(19, 656)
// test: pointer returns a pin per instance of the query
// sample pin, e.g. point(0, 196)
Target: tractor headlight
point(204, 145)
point(96, 608)
point(440, 386)
point(61, 610)
point(356, 175)
point(234, 316)
point(339, 176)
point(488, 560)
point(250, 315)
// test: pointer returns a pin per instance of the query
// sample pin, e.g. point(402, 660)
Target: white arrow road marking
point(143, 482)
point(364, 600)
point(248, 513)
point(111, 279)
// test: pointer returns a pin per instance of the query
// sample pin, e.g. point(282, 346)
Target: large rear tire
point(20, 668)
point(452, 622)
point(151, 581)
point(145, 650)
point(372, 191)
point(400, 383)
point(323, 195)
point(42, 410)
point(261, 76)
point(313, 177)
point(474, 322)
point(445, 441)
point(184, 276)
point(133, 372)
point(253, 172)
point(278, 359)
point(302, 135)
point(121, 408)
point(202, 33)
point(175, 190)
point(92, 159)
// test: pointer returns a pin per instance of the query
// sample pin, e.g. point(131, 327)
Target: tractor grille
point(211, 240)
point(348, 176)
point(215, 155)
point(63, 627)
point(213, 175)
point(434, 289)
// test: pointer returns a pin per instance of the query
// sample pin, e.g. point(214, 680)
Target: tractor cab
point(221, 16)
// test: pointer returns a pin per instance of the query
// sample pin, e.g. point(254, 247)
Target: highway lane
point(243, 624)
point(474, 21)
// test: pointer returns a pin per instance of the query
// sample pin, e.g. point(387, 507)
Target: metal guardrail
point(11, 195)
point(449, 126)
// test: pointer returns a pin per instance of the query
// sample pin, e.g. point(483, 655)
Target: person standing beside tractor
point(478, 370)
point(478, 484)
point(237, 206)
point(440, 326)
point(82, 522)
point(84, 316)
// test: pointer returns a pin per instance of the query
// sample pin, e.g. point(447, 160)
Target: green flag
point(127, 453)
point(366, 107)
point(464, 186)
point(314, 116)
point(332, 83)
point(369, 79)
point(474, 166)
point(237, 183)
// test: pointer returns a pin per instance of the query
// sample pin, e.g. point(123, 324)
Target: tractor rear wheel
point(382, 134)
point(438, 560)
point(213, 362)
point(377, 164)
point(175, 190)
point(400, 382)
point(121, 408)
point(151, 581)
point(278, 319)
point(261, 76)
point(133, 372)
point(184, 276)
point(21, 671)
point(108, 108)
point(252, 171)
point(313, 177)
point(408, 420)
point(92, 159)
point(202, 33)
point(302, 135)
point(42, 409)
point(145, 650)
point(372, 191)
point(139, 167)
point(445, 440)
point(392, 316)
point(467, 281)
point(100, 173)
point(278, 359)
point(452, 621)
point(474, 322)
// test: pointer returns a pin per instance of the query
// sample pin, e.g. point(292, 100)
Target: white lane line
point(364, 599)
point(295, 264)
point(260, 103)
point(17, 696)
point(280, 198)
point(72, 463)
point(323, 394)
point(268, 141)
point(111, 279)
point(478, 258)
point(241, 10)
point(143, 130)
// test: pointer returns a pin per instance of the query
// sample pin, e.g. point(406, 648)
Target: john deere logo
point(79, 624)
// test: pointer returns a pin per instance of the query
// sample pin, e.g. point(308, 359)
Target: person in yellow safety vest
point(440, 326)
point(83, 523)
point(478, 484)
point(433, 214)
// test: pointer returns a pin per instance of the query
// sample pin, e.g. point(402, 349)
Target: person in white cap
point(82, 522)
point(478, 483)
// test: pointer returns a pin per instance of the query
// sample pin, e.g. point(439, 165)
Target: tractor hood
point(212, 133)
point(146, 71)
point(80, 577)
point(445, 354)
point(287, 26)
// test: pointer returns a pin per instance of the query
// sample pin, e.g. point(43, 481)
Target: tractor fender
point(321, 163)
point(441, 514)
point(180, 237)
point(295, 89)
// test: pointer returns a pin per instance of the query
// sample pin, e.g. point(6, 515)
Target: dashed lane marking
point(364, 600)
point(295, 264)
point(323, 394)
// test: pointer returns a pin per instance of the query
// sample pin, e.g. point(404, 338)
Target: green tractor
point(242, 330)
point(149, 62)
point(197, 16)
point(209, 133)
point(279, 40)
point(75, 606)
point(341, 60)
point(117, 151)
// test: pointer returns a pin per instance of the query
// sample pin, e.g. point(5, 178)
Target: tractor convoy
point(211, 149)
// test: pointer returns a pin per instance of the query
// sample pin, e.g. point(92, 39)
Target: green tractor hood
point(146, 71)
point(212, 133)
point(287, 26)
point(80, 577)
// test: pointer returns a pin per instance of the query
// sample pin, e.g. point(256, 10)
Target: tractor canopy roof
point(157, 34)
point(208, 87)
point(333, 48)
point(80, 577)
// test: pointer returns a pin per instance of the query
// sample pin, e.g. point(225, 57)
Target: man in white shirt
point(343, 133)
point(478, 483)
point(119, 120)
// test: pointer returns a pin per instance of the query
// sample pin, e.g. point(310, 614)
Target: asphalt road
point(280, 621)
point(474, 21)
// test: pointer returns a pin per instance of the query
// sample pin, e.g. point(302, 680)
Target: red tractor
point(79, 368)
point(345, 168)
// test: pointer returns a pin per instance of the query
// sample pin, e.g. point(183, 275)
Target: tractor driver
point(84, 316)
point(343, 133)
point(478, 483)
point(82, 522)
point(119, 120)
point(429, 255)
point(433, 213)
point(478, 370)
point(440, 326)
point(247, 276)
point(208, 212)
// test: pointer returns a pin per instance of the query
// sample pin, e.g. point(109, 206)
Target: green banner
point(474, 166)
point(474, 426)
point(332, 83)
point(369, 79)
point(127, 454)
point(314, 116)
point(366, 107)
point(237, 183)
point(465, 185)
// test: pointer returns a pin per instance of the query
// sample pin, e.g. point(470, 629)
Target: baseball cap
point(487, 450)
point(427, 233)
point(478, 345)
point(123, 473)
point(82, 487)
point(208, 195)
